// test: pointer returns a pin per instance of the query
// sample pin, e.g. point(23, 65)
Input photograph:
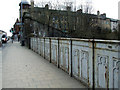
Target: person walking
point(18, 37)
point(12, 38)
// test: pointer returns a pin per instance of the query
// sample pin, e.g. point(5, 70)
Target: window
point(4, 36)
point(65, 26)
point(53, 18)
point(56, 26)
point(106, 22)
point(65, 18)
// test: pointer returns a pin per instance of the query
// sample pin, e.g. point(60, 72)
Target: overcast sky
point(9, 10)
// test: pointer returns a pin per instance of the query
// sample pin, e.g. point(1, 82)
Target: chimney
point(47, 6)
point(79, 11)
point(104, 15)
point(98, 13)
point(32, 3)
point(68, 8)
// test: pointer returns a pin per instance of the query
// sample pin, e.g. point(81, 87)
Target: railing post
point(37, 45)
point(58, 54)
point(29, 42)
point(93, 58)
point(71, 56)
point(50, 48)
point(44, 48)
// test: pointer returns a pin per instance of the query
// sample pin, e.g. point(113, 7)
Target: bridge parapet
point(96, 63)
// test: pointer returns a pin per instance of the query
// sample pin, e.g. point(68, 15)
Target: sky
point(9, 10)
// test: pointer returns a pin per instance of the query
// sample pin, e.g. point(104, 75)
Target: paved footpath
point(23, 68)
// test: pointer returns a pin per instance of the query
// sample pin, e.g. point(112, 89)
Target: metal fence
point(96, 63)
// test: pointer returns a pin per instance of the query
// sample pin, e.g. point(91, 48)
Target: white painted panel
point(66, 58)
point(115, 73)
point(102, 74)
point(84, 65)
point(61, 55)
point(76, 63)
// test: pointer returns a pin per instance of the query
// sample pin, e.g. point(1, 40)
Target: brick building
point(24, 6)
point(42, 21)
point(17, 27)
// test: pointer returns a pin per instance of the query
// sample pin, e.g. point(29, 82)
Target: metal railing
point(96, 63)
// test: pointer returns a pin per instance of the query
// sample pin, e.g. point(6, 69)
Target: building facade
point(45, 22)
point(24, 6)
point(114, 25)
point(17, 27)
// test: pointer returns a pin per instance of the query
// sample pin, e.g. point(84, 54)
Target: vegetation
point(65, 23)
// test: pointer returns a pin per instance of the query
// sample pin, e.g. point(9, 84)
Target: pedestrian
point(18, 37)
point(12, 38)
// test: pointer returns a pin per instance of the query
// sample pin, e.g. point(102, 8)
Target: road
point(23, 68)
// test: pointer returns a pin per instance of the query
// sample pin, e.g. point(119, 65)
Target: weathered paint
point(47, 49)
point(36, 45)
point(54, 51)
point(64, 51)
point(82, 61)
point(106, 65)
point(42, 47)
point(39, 46)
point(75, 56)
point(31, 43)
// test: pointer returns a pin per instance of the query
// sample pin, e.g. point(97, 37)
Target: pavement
point(23, 68)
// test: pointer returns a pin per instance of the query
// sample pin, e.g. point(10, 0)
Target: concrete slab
point(23, 68)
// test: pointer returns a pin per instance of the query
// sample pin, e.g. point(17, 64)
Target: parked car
point(8, 38)
point(4, 38)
